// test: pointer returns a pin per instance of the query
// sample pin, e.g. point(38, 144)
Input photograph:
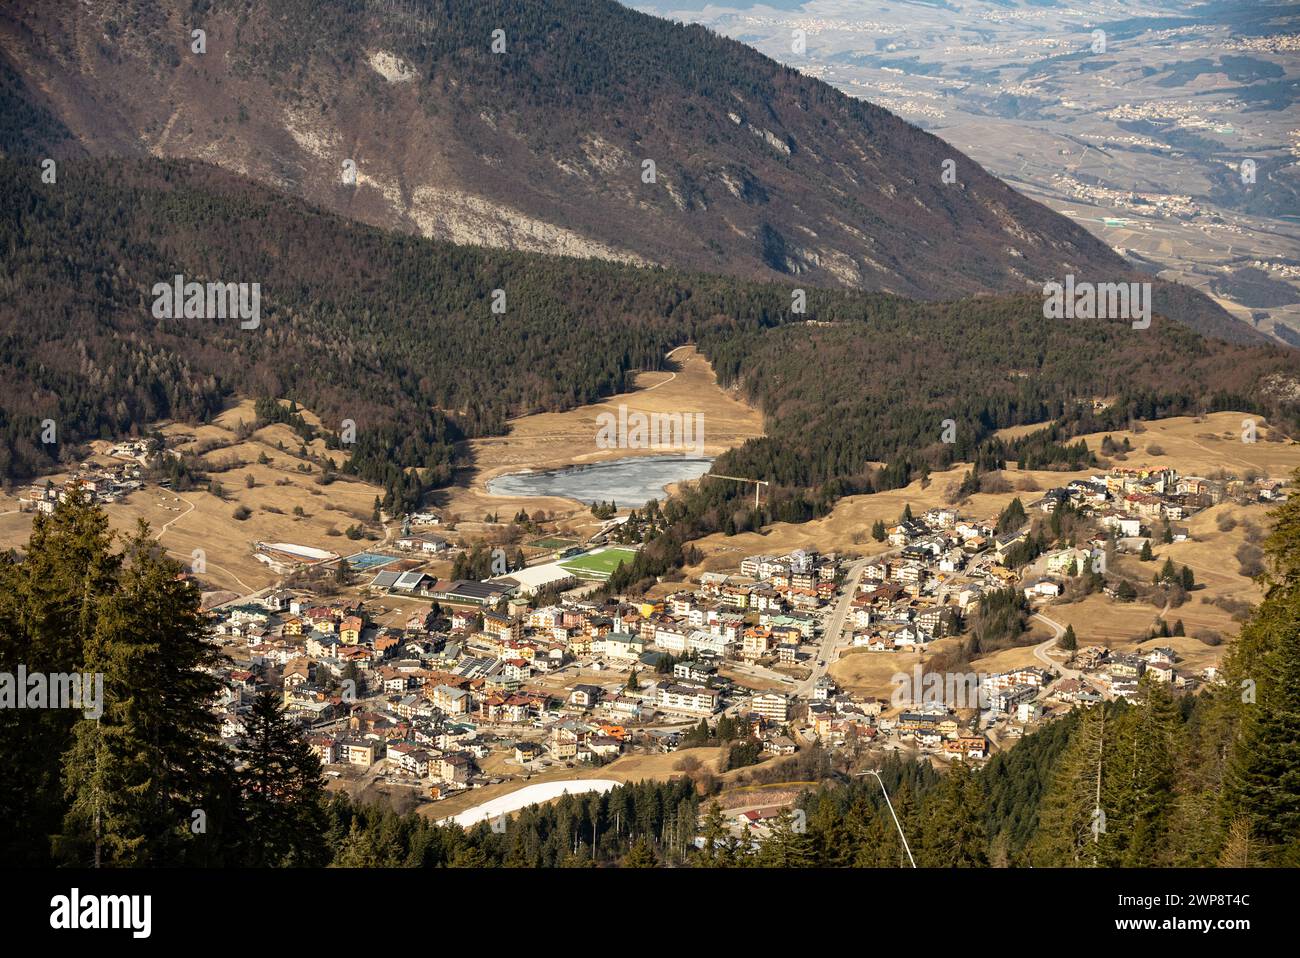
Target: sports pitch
point(554, 542)
point(599, 565)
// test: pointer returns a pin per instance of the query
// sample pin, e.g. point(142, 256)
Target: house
point(1005, 542)
point(453, 767)
point(586, 696)
point(452, 701)
point(527, 751)
point(695, 671)
point(1127, 526)
point(967, 746)
point(350, 630)
point(564, 741)
point(1061, 562)
point(362, 752)
point(502, 627)
point(1162, 655)
point(423, 543)
point(604, 746)
point(939, 620)
point(780, 745)
point(1161, 672)
point(1043, 589)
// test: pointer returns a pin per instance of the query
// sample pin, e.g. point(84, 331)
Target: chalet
point(586, 696)
point(695, 671)
point(780, 745)
point(1043, 589)
point(350, 630)
point(527, 751)
point(604, 746)
point(1004, 543)
point(426, 544)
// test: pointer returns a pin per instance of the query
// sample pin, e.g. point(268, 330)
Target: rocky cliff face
point(575, 127)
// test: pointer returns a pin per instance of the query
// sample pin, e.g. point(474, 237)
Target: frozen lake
point(630, 482)
point(530, 795)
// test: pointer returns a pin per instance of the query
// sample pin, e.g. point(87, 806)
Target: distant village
point(484, 683)
point(104, 484)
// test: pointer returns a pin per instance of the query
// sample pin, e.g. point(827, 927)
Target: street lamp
point(897, 823)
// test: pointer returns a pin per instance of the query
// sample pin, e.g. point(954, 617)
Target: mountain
point(400, 114)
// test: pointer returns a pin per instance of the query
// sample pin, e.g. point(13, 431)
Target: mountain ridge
point(760, 172)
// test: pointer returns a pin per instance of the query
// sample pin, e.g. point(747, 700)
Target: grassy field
point(198, 520)
point(599, 565)
point(553, 543)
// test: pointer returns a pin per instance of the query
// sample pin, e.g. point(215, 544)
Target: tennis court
point(365, 561)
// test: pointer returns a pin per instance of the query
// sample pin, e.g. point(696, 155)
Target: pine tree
point(641, 855)
point(1069, 642)
point(954, 834)
point(714, 831)
point(1263, 782)
point(136, 777)
point(48, 609)
point(1072, 823)
point(281, 788)
point(1140, 779)
point(788, 845)
point(831, 838)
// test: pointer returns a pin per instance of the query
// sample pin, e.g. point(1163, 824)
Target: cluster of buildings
point(483, 682)
point(102, 484)
point(490, 684)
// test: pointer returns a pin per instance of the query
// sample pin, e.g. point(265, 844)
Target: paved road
point(1040, 650)
point(834, 628)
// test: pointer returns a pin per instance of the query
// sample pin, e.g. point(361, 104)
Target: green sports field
point(554, 542)
point(599, 565)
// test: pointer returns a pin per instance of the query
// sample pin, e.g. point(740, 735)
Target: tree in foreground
point(641, 855)
point(281, 790)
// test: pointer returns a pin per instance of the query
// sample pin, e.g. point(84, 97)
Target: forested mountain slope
point(397, 333)
point(760, 172)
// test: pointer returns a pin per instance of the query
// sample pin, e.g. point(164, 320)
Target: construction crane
point(757, 482)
